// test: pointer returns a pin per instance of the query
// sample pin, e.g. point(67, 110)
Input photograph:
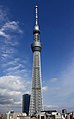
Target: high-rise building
point(36, 94)
point(26, 103)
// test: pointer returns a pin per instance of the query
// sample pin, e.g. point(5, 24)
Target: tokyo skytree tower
point(36, 93)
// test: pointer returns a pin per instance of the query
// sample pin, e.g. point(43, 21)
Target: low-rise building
point(17, 115)
point(48, 115)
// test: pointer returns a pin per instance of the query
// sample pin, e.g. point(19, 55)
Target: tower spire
point(36, 8)
point(36, 26)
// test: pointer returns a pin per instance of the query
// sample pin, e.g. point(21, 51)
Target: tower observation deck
point(36, 92)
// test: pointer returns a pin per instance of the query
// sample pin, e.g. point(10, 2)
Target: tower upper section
point(36, 45)
point(36, 27)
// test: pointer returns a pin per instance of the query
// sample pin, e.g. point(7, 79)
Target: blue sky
point(56, 20)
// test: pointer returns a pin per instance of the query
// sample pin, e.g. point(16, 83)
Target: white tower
point(36, 94)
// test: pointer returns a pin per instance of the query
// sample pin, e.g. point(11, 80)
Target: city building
point(51, 114)
point(64, 111)
point(36, 93)
point(17, 115)
point(26, 103)
point(1, 116)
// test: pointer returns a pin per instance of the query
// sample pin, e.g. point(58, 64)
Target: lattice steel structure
point(36, 94)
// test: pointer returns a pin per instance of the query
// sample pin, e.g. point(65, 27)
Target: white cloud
point(51, 107)
point(11, 89)
point(3, 14)
point(3, 34)
point(61, 89)
point(11, 25)
point(10, 33)
point(53, 80)
point(14, 83)
point(45, 88)
point(14, 75)
point(17, 67)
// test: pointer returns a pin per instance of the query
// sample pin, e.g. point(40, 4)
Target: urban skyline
point(56, 20)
